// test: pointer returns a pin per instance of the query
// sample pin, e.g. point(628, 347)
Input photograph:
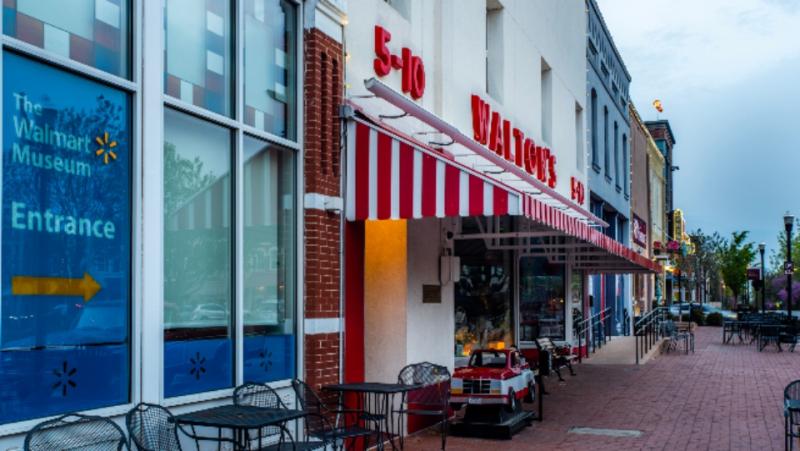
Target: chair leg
point(445, 425)
point(571, 371)
point(558, 372)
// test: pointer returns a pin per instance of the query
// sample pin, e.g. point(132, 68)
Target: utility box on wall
point(449, 269)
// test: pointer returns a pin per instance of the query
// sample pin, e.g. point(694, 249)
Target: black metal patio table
point(239, 419)
point(378, 400)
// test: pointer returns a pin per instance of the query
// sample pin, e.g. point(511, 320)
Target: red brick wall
point(322, 359)
point(323, 96)
point(322, 169)
point(323, 271)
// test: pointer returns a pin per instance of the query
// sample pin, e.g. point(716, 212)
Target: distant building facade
point(609, 156)
point(648, 214)
point(665, 140)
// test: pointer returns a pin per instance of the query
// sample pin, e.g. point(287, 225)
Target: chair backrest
point(152, 428)
point(311, 402)
point(792, 391)
point(434, 380)
point(770, 330)
point(258, 395)
point(545, 344)
point(76, 432)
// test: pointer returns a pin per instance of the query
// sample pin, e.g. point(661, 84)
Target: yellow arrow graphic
point(55, 286)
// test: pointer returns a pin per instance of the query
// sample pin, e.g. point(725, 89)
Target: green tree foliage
point(735, 255)
point(706, 261)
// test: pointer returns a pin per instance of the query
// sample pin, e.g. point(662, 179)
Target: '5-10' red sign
point(413, 70)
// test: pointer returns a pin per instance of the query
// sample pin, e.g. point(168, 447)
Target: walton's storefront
point(466, 227)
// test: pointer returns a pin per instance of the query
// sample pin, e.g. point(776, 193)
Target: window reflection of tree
point(197, 259)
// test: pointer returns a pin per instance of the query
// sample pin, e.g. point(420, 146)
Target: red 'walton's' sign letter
point(491, 130)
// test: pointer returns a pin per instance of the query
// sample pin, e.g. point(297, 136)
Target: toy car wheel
point(513, 402)
point(456, 406)
point(531, 396)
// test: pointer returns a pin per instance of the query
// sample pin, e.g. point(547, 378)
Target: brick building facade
point(323, 90)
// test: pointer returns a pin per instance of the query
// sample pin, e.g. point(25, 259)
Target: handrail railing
point(647, 330)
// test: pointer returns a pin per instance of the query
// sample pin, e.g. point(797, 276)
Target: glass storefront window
point(270, 66)
point(541, 299)
point(93, 32)
point(483, 302)
point(66, 249)
point(198, 352)
point(269, 261)
point(198, 53)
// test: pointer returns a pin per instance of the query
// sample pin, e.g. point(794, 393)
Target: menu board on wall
point(66, 242)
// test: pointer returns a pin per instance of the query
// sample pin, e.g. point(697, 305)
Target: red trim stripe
point(406, 181)
point(451, 190)
point(384, 176)
point(362, 171)
point(475, 196)
point(428, 186)
point(500, 201)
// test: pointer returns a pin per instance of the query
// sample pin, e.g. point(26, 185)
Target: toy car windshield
point(488, 359)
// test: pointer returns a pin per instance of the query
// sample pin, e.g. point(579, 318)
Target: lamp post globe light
point(788, 222)
point(761, 248)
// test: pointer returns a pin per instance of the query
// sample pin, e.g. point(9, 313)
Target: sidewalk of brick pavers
point(721, 397)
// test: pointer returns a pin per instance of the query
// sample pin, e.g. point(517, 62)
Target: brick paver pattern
point(722, 397)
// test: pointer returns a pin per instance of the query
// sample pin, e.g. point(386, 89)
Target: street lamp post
point(761, 248)
point(788, 222)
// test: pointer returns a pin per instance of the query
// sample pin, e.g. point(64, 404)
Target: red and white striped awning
point(570, 226)
point(393, 177)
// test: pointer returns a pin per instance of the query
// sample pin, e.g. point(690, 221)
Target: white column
point(151, 263)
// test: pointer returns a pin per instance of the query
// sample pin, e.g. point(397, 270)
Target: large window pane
point(93, 32)
point(483, 300)
point(269, 66)
point(541, 299)
point(66, 249)
point(269, 261)
point(198, 56)
point(197, 256)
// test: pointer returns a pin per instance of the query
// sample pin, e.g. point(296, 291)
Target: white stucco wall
point(430, 327)
point(385, 294)
point(450, 35)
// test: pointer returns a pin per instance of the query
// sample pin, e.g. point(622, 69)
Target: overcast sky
point(726, 72)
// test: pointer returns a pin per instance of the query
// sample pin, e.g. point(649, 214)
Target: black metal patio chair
point(152, 428)
point(791, 413)
point(769, 333)
point(332, 424)
point(76, 432)
point(672, 336)
point(262, 395)
point(432, 399)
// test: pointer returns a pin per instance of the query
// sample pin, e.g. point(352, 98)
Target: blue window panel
point(66, 221)
point(269, 358)
point(9, 21)
point(106, 59)
point(196, 366)
point(34, 384)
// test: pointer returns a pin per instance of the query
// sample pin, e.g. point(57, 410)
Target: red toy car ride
point(493, 377)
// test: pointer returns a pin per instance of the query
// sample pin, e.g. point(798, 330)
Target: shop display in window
point(541, 299)
point(483, 304)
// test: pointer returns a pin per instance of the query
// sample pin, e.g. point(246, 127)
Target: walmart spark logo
point(106, 148)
